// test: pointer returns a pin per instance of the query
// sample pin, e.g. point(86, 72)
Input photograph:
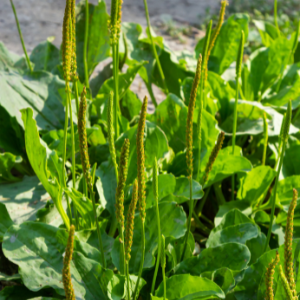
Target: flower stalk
point(155, 193)
point(141, 183)
point(66, 272)
point(189, 146)
point(266, 136)
point(283, 138)
point(238, 75)
point(288, 291)
point(86, 164)
point(163, 265)
point(123, 171)
point(21, 36)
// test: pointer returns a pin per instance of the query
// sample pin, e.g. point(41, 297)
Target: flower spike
point(288, 291)
point(123, 170)
point(141, 159)
point(270, 277)
point(130, 222)
point(288, 244)
point(83, 139)
point(189, 125)
point(66, 272)
point(213, 156)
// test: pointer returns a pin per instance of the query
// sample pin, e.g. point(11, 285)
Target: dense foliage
point(198, 200)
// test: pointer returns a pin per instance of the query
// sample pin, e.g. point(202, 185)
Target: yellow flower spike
point(130, 222)
point(288, 291)
point(73, 31)
point(189, 125)
point(213, 156)
point(270, 277)
point(83, 139)
point(123, 170)
point(66, 272)
point(141, 159)
point(288, 244)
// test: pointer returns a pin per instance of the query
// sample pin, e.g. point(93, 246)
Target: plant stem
point(75, 83)
point(219, 195)
point(276, 17)
point(161, 73)
point(86, 35)
point(73, 163)
point(265, 140)
point(163, 266)
point(128, 282)
point(65, 154)
point(155, 190)
point(122, 252)
point(238, 75)
point(116, 87)
point(191, 209)
point(98, 229)
point(142, 261)
point(21, 36)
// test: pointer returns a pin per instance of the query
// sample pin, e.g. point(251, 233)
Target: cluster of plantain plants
point(101, 199)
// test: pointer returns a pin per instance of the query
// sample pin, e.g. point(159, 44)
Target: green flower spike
point(73, 31)
point(190, 117)
point(216, 31)
point(83, 140)
point(141, 158)
point(130, 222)
point(213, 156)
point(288, 291)
point(123, 170)
point(66, 272)
point(115, 21)
point(67, 51)
point(288, 244)
point(270, 277)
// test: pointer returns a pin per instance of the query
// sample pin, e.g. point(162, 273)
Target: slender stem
point(203, 201)
point(265, 140)
point(128, 280)
point(155, 190)
point(161, 73)
point(276, 17)
point(142, 261)
point(73, 162)
point(65, 153)
point(116, 88)
point(219, 195)
point(204, 229)
point(191, 209)
point(274, 197)
point(75, 83)
point(98, 229)
point(163, 266)
point(86, 35)
point(21, 36)
point(122, 252)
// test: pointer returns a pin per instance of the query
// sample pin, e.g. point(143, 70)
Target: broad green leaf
point(222, 277)
point(255, 184)
point(130, 105)
point(250, 119)
point(285, 189)
point(234, 256)
point(5, 221)
point(240, 233)
point(7, 59)
point(265, 66)
point(45, 56)
point(40, 159)
point(256, 247)
point(84, 206)
point(98, 41)
point(173, 224)
point(291, 161)
point(39, 248)
point(156, 145)
point(189, 287)
point(24, 199)
point(226, 47)
point(268, 32)
point(106, 185)
point(7, 162)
